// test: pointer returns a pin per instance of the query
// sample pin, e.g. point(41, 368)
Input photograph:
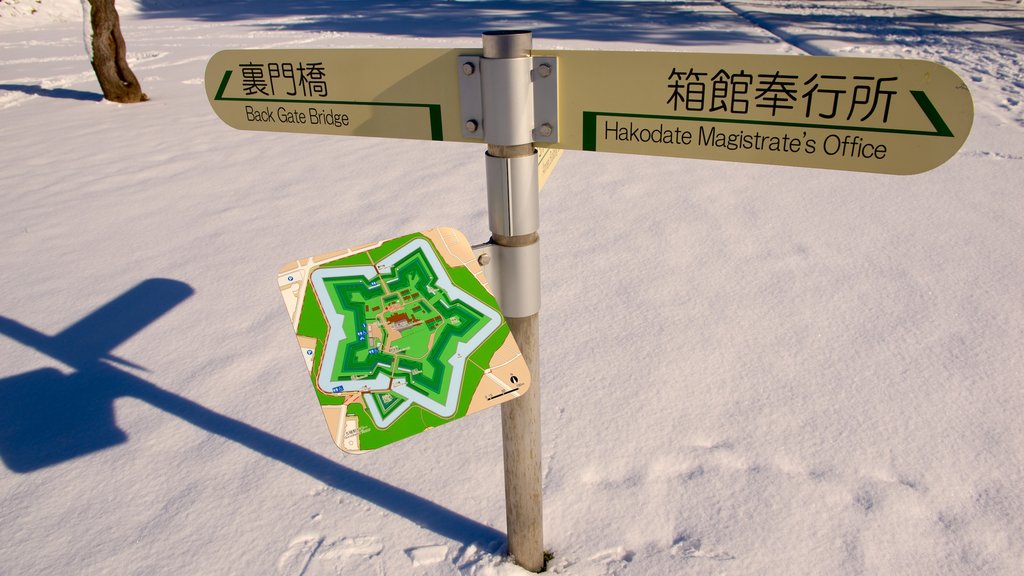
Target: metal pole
point(512, 185)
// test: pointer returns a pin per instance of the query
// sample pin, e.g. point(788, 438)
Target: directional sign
point(861, 114)
point(353, 92)
point(400, 93)
point(401, 336)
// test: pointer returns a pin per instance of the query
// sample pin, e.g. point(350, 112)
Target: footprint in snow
point(300, 552)
point(359, 546)
point(686, 546)
point(618, 555)
point(305, 551)
point(427, 555)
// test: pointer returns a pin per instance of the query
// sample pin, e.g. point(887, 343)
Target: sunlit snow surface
point(745, 369)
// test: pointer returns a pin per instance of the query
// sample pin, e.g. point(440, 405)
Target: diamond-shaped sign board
point(401, 336)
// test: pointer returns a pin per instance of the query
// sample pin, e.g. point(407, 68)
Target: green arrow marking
point(933, 115)
point(436, 127)
point(223, 85)
point(941, 129)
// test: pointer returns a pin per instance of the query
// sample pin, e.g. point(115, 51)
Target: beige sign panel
point(869, 115)
point(400, 93)
point(351, 92)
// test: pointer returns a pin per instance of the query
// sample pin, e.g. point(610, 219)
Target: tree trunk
point(109, 55)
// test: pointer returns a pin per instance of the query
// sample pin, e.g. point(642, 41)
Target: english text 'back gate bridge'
point(405, 334)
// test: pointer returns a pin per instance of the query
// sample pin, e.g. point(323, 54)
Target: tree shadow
point(48, 417)
point(909, 25)
point(63, 93)
point(677, 23)
point(671, 23)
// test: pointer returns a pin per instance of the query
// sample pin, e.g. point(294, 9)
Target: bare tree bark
point(109, 55)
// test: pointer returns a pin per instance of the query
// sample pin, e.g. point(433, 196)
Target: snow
point(746, 369)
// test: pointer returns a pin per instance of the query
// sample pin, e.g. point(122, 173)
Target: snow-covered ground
point(746, 369)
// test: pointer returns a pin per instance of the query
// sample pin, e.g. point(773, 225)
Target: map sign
point(400, 336)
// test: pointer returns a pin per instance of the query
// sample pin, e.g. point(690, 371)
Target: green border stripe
point(941, 129)
point(223, 85)
point(436, 126)
point(590, 131)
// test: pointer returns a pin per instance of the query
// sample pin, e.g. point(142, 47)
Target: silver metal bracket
point(545, 99)
point(544, 84)
point(509, 276)
point(471, 100)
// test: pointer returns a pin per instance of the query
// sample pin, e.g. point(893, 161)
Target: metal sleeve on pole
point(512, 195)
point(507, 43)
point(508, 91)
point(512, 275)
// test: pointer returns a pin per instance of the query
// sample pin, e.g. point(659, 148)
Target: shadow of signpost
point(48, 417)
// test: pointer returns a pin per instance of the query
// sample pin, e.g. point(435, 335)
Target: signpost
point(868, 115)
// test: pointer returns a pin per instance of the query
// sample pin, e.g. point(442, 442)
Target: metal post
point(514, 220)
